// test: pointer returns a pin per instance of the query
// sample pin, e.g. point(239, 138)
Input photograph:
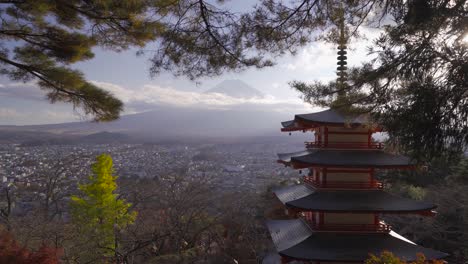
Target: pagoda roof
point(326, 117)
point(294, 239)
point(308, 198)
point(344, 158)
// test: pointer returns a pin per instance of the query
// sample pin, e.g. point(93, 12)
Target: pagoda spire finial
point(342, 69)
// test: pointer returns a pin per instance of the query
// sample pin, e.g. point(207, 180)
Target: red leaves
point(12, 252)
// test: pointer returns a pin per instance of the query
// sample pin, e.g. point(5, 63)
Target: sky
point(127, 77)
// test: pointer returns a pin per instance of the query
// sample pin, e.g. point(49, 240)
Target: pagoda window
point(346, 222)
point(348, 218)
point(345, 135)
point(342, 178)
point(348, 176)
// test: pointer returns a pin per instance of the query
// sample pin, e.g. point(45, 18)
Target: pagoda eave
point(307, 199)
point(332, 158)
point(294, 240)
point(331, 116)
point(306, 123)
point(311, 126)
point(387, 212)
point(302, 165)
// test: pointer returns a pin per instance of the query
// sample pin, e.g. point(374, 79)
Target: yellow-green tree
point(387, 257)
point(98, 212)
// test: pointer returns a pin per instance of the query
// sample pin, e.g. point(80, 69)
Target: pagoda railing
point(373, 228)
point(344, 184)
point(344, 145)
point(380, 227)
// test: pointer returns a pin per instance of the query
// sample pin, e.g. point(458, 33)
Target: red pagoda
point(337, 210)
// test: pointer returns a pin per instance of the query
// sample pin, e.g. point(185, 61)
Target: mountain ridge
point(172, 122)
point(237, 89)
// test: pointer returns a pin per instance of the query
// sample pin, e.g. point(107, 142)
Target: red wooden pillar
point(321, 222)
point(326, 136)
point(324, 177)
point(369, 138)
point(319, 136)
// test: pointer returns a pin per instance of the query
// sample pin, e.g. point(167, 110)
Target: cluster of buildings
point(227, 166)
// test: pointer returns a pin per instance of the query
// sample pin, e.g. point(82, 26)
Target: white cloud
point(7, 113)
point(276, 85)
point(318, 60)
point(144, 98)
point(29, 91)
point(61, 116)
point(156, 95)
point(313, 58)
point(56, 114)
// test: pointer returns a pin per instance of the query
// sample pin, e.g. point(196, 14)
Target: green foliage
point(99, 213)
point(44, 37)
point(326, 95)
point(460, 172)
point(417, 193)
point(444, 185)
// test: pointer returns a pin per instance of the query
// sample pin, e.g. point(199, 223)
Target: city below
point(232, 167)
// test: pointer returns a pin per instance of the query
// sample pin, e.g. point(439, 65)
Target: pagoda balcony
point(343, 145)
point(380, 227)
point(343, 184)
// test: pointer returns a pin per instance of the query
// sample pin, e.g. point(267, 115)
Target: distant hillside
point(237, 89)
point(38, 138)
point(31, 137)
point(168, 123)
point(104, 137)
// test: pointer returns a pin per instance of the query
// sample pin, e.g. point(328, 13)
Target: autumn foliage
point(12, 252)
point(387, 257)
point(98, 212)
